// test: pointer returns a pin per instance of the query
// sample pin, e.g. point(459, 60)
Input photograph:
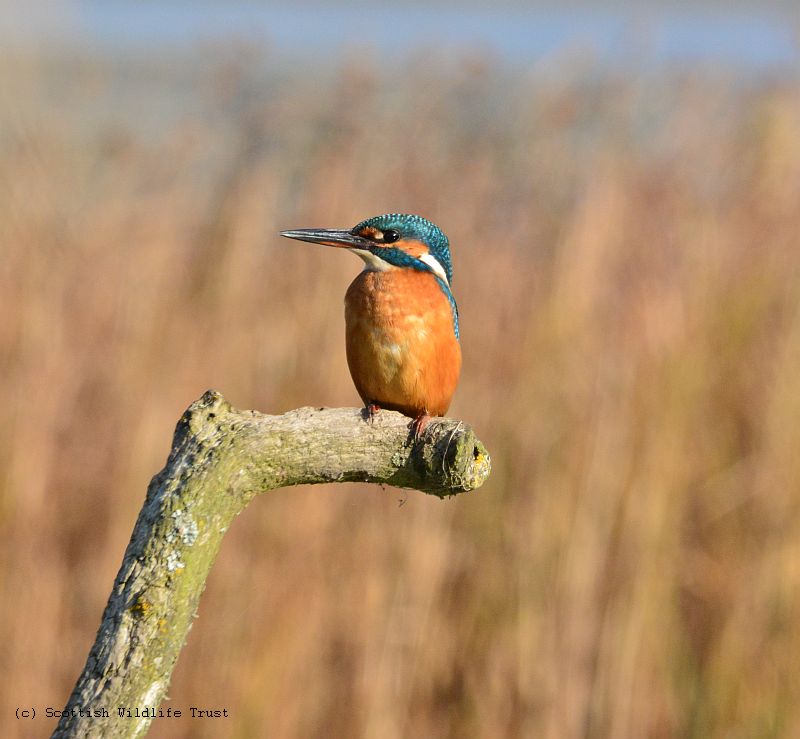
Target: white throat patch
point(372, 262)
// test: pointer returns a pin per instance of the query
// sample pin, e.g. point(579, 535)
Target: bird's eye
point(390, 236)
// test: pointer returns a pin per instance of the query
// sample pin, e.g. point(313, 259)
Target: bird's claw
point(418, 425)
point(370, 411)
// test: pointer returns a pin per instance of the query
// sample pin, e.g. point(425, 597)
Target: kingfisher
point(402, 335)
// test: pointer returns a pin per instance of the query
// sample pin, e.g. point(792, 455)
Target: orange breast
point(401, 348)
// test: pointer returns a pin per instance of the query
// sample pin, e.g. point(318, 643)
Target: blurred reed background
point(627, 264)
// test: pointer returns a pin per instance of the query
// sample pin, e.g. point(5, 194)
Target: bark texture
point(220, 459)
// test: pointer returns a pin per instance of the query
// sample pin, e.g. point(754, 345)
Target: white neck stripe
point(436, 266)
point(372, 262)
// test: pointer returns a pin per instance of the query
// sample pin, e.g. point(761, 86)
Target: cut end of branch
point(451, 459)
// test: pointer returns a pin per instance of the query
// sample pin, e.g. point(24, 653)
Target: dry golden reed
point(627, 264)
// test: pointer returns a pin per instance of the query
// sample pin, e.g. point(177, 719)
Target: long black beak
point(329, 237)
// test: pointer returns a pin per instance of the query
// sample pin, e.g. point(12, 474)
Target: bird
point(401, 319)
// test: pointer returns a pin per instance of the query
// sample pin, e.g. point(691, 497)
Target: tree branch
point(220, 459)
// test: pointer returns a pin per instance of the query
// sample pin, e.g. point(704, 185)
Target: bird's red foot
point(419, 424)
point(370, 410)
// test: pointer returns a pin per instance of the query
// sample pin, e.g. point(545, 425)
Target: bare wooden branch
point(220, 459)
